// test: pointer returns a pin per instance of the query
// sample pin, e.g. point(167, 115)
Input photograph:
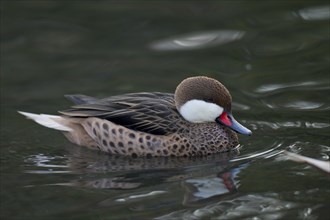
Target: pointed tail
point(49, 121)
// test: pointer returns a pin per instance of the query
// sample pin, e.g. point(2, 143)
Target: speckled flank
point(116, 139)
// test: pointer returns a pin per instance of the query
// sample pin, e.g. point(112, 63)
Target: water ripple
point(139, 196)
point(240, 106)
point(303, 105)
point(262, 125)
point(275, 87)
point(306, 95)
point(315, 13)
point(197, 40)
point(251, 206)
point(297, 105)
point(274, 151)
point(41, 160)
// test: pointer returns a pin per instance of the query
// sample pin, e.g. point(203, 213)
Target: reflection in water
point(240, 106)
point(320, 164)
point(211, 183)
point(205, 187)
point(202, 178)
point(47, 163)
point(297, 105)
point(131, 197)
point(169, 168)
point(106, 183)
point(264, 125)
point(304, 105)
point(113, 163)
point(268, 153)
point(198, 40)
point(209, 187)
point(297, 96)
point(317, 125)
point(274, 87)
point(315, 13)
point(41, 160)
point(252, 206)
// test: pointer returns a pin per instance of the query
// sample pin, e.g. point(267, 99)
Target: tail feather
point(50, 121)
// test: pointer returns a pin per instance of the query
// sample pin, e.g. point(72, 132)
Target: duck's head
point(202, 99)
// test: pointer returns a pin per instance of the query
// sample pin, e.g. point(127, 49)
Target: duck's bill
point(228, 120)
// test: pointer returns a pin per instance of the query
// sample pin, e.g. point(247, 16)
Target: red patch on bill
point(224, 119)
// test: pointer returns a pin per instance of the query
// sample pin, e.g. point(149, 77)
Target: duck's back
point(153, 113)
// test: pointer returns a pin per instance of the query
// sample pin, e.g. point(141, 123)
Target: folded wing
point(153, 113)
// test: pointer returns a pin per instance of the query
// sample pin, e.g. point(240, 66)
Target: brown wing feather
point(154, 113)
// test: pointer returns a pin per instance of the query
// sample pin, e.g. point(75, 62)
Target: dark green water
point(273, 56)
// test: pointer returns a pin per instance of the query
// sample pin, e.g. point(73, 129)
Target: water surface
point(273, 56)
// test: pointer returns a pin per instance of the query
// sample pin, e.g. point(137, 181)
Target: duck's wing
point(153, 113)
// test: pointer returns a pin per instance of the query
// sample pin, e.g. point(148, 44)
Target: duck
point(194, 121)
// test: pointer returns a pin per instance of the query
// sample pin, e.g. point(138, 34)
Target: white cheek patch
point(198, 111)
